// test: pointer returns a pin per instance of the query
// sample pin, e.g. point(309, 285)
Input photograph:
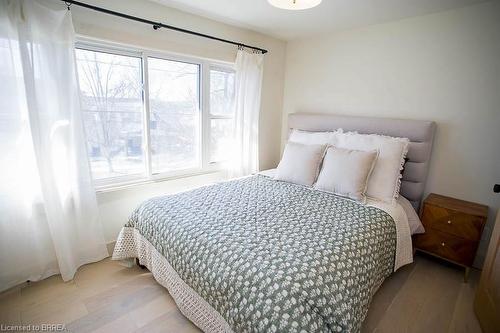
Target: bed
point(259, 255)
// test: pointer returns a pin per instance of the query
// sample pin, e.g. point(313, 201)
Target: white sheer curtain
point(48, 208)
point(249, 68)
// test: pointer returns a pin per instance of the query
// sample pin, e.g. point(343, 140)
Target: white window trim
point(206, 167)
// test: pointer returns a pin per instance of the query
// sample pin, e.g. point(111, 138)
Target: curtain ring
point(68, 4)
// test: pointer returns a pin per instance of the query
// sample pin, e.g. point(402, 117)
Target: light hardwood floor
point(427, 296)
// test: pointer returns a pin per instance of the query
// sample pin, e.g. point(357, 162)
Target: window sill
point(140, 182)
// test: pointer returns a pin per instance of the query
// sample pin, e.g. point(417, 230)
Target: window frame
point(205, 65)
point(210, 115)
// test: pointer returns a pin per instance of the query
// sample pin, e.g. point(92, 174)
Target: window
point(144, 116)
point(221, 112)
point(174, 101)
point(111, 97)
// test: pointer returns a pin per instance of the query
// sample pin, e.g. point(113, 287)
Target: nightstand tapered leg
point(466, 274)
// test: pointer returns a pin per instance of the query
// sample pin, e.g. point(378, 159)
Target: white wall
point(443, 67)
point(116, 206)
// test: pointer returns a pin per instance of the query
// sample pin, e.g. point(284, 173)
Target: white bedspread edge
point(131, 244)
point(404, 249)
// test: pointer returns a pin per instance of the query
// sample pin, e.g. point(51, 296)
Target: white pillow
point(346, 172)
point(300, 163)
point(312, 138)
point(385, 180)
point(416, 226)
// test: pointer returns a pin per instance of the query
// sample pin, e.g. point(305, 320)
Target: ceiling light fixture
point(294, 4)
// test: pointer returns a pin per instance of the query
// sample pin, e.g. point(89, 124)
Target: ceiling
point(329, 16)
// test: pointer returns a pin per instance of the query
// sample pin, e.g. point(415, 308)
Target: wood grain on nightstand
point(453, 228)
point(453, 222)
point(446, 246)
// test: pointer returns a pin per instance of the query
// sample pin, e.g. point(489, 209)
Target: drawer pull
point(449, 222)
point(443, 244)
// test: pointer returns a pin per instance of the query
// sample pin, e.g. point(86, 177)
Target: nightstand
point(453, 229)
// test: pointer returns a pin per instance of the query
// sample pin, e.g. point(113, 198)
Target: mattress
point(259, 255)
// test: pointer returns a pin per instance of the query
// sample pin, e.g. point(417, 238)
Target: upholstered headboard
point(420, 133)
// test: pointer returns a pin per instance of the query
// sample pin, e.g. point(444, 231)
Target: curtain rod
point(158, 25)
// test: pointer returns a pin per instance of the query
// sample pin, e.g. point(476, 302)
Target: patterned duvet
point(271, 256)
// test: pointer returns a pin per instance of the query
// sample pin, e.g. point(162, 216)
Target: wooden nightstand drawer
point(453, 222)
point(447, 246)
